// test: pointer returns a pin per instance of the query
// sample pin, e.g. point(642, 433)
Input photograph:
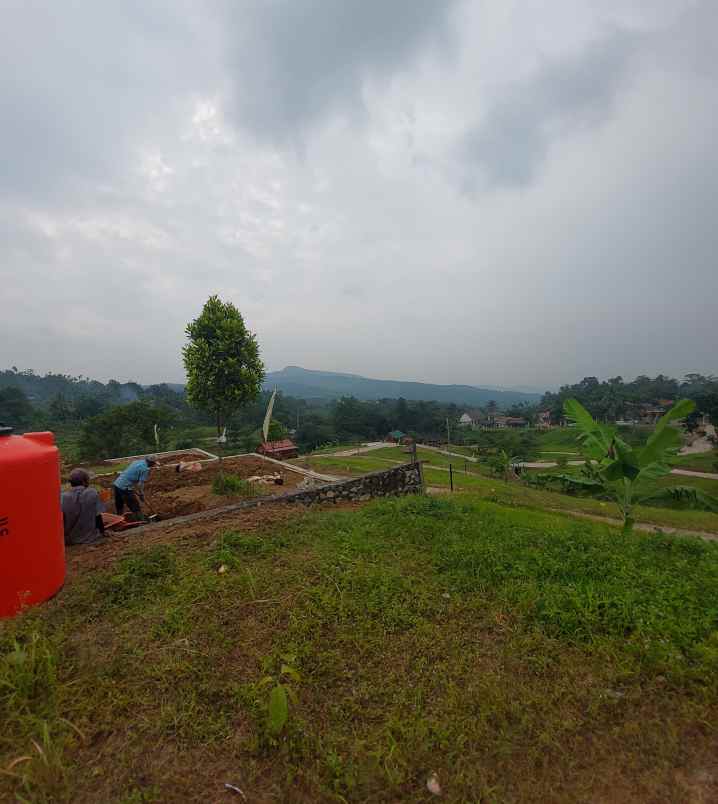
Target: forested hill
point(42, 388)
point(307, 384)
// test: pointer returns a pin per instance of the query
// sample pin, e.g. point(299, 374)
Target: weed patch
point(233, 486)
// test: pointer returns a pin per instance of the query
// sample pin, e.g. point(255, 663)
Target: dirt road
point(701, 444)
point(360, 450)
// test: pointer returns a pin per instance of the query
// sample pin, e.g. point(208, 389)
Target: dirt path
point(642, 526)
point(368, 447)
point(700, 444)
point(553, 464)
point(301, 470)
point(605, 520)
point(450, 454)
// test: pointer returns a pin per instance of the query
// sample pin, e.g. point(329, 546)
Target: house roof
point(397, 434)
point(285, 443)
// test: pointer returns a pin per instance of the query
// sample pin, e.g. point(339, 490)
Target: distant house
point(279, 450)
point(395, 436)
point(471, 418)
point(543, 418)
point(650, 414)
point(502, 422)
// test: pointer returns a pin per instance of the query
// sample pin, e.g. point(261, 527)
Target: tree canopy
point(224, 370)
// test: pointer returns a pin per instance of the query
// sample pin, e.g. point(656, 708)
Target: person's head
point(79, 477)
point(151, 461)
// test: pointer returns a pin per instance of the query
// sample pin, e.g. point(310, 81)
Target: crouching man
point(129, 486)
point(82, 511)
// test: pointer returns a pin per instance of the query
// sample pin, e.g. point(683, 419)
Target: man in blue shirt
point(130, 485)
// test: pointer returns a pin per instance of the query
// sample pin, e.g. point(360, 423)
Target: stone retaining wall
point(399, 480)
point(405, 479)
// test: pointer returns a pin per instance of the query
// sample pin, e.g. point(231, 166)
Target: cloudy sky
point(494, 192)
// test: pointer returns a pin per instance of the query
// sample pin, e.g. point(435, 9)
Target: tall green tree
point(224, 370)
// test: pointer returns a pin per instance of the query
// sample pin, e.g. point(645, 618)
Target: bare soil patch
point(171, 494)
point(190, 535)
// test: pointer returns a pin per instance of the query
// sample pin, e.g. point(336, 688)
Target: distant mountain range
point(308, 384)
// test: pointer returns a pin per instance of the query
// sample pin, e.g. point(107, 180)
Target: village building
point(543, 418)
point(279, 450)
point(471, 418)
point(502, 422)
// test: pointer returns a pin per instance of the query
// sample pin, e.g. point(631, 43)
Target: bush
point(126, 430)
point(233, 486)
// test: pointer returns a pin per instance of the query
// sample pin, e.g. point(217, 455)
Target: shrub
point(233, 485)
point(126, 430)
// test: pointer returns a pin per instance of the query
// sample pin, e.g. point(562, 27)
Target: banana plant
point(627, 474)
point(503, 465)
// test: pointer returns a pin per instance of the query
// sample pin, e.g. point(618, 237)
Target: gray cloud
point(509, 145)
point(296, 62)
point(150, 159)
point(82, 85)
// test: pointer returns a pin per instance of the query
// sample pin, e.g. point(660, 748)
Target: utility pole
point(448, 434)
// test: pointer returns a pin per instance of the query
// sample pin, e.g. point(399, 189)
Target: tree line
point(224, 380)
point(615, 399)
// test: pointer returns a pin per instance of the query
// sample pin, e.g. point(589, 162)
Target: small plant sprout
point(281, 692)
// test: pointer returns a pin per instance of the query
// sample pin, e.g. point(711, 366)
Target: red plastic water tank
point(32, 547)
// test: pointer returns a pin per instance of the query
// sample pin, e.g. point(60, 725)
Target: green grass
point(520, 656)
point(430, 457)
point(707, 485)
point(336, 448)
point(352, 465)
point(233, 486)
point(701, 462)
point(480, 480)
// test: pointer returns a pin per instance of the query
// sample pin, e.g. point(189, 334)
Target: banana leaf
point(664, 437)
point(690, 494)
point(595, 438)
point(625, 463)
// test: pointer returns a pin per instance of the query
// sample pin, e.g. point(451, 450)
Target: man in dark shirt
point(82, 511)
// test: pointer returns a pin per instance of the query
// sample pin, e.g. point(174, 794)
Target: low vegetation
point(351, 655)
point(626, 475)
point(233, 486)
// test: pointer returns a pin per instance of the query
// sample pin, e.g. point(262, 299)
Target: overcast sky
point(492, 192)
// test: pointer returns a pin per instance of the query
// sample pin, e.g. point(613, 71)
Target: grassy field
point(702, 462)
point(478, 479)
point(517, 656)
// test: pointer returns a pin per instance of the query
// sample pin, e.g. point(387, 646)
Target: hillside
point(501, 654)
point(308, 384)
